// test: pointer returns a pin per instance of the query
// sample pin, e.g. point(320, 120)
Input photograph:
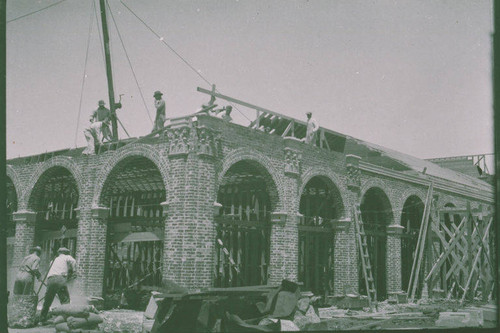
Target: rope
point(178, 55)
point(84, 72)
point(130, 64)
point(36, 11)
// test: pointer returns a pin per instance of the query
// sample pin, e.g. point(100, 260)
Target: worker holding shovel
point(28, 270)
point(62, 270)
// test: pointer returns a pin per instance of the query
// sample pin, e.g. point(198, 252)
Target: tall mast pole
point(109, 72)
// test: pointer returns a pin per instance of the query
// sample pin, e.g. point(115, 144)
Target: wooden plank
point(288, 128)
point(414, 275)
point(476, 258)
point(452, 243)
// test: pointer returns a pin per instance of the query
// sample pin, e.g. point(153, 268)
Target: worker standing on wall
point(103, 115)
point(160, 111)
point(28, 270)
point(312, 128)
point(62, 270)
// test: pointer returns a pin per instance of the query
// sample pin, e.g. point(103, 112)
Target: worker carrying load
point(28, 270)
point(99, 129)
point(61, 271)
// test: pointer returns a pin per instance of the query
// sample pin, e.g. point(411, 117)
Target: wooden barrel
point(21, 311)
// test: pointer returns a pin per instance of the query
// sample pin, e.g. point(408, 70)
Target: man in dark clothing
point(160, 111)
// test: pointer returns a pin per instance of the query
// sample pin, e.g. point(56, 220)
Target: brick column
point(25, 235)
point(284, 259)
point(92, 237)
point(393, 262)
point(346, 275)
point(189, 243)
point(346, 253)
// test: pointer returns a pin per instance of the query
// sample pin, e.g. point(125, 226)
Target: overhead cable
point(36, 11)
point(130, 64)
point(85, 70)
point(177, 54)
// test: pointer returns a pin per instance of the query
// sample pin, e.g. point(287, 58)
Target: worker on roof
point(160, 111)
point(62, 269)
point(103, 115)
point(99, 129)
point(28, 270)
point(312, 128)
point(225, 113)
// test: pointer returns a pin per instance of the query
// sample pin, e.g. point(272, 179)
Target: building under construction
point(210, 203)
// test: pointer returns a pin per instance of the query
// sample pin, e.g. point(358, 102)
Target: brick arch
point(379, 184)
point(408, 193)
point(332, 177)
point(141, 150)
point(243, 154)
point(57, 161)
point(14, 177)
point(374, 182)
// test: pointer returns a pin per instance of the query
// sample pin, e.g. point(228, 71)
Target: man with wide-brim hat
point(160, 111)
point(28, 270)
point(62, 270)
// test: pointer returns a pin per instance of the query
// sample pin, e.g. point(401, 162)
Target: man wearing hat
point(160, 111)
point(312, 128)
point(28, 270)
point(62, 270)
point(102, 115)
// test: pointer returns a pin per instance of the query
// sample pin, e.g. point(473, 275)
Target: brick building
point(205, 193)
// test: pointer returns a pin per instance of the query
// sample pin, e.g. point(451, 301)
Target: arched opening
point(320, 203)
point(11, 207)
point(411, 219)
point(376, 214)
point(54, 200)
point(248, 195)
point(134, 191)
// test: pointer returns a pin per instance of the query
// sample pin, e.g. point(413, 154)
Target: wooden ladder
point(365, 258)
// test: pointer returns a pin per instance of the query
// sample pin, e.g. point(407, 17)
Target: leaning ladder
point(365, 258)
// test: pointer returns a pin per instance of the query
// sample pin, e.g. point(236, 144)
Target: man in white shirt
point(312, 128)
point(62, 269)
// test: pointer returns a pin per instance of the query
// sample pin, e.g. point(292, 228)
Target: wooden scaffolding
point(458, 259)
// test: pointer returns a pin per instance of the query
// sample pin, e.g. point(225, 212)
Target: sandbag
point(94, 319)
point(76, 322)
point(73, 310)
point(62, 327)
point(58, 320)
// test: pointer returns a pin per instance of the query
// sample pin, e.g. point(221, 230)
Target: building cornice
point(439, 183)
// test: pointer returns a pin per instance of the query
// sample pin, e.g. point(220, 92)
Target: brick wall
point(192, 163)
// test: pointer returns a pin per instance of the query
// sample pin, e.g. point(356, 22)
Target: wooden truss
point(461, 249)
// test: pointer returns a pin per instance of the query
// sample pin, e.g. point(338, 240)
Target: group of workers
point(100, 121)
point(61, 271)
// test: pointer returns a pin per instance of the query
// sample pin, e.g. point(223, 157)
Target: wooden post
point(109, 72)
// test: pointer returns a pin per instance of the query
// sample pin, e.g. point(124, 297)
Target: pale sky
point(414, 76)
